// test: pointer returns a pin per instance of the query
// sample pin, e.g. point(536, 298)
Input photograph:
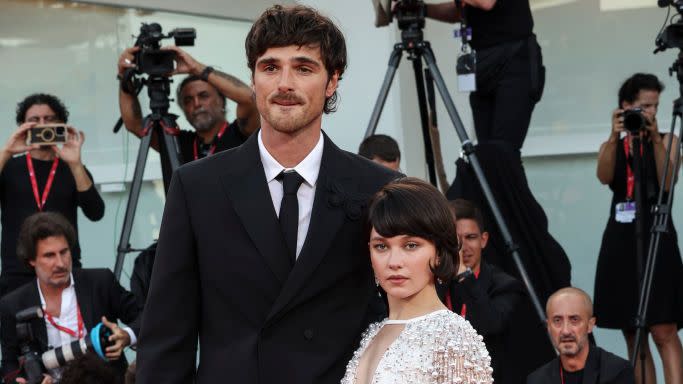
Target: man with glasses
point(36, 178)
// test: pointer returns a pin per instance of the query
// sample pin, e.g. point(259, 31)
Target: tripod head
point(411, 20)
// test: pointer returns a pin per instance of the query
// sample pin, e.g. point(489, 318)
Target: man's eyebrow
point(306, 60)
point(266, 60)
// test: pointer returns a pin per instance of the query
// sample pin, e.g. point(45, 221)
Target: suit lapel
point(591, 371)
point(84, 298)
point(246, 187)
point(326, 219)
point(41, 330)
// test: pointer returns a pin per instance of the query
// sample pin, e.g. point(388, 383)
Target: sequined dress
point(438, 348)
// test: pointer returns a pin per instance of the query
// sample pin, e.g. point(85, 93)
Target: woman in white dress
point(412, 243)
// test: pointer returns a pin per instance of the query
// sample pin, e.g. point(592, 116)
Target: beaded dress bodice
point(438, 348)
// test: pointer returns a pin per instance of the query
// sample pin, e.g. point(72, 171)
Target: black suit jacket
point(222, 274)
point(491, 300)
point(98, 294)
point(601, 367)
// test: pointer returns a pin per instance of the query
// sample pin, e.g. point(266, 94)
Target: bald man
point(570, 320)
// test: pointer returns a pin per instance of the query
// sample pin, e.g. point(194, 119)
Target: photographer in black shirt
point(509, 68)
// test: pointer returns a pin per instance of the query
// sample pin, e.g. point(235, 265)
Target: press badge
point(625, 212)
point(466, 65)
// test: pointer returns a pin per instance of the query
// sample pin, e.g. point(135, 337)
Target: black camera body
point(47, 134)
point(634, 120)
point(151, 59)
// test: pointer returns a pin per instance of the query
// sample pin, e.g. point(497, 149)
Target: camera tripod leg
point(468, 148)
point(424, 117)
point(136, 185)
point(394, 61)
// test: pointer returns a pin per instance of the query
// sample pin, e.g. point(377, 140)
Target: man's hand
point(16, 143)
point(119, 337)
point(47, 379)
point(184, 62)
point(71, 150)
point(127, 60)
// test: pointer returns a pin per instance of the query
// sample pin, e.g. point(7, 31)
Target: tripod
point(412, 42)
point(163, 125)
point(662, 214)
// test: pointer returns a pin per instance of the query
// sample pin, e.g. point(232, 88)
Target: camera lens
point(48, 135)
point(634, 120)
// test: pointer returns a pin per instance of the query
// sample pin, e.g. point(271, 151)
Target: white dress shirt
point(68, 318)
point(308, 168)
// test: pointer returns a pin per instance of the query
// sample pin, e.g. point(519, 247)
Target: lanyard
point(195, 149)
point(34, 183)
point(449, 303)
point(630, 178)
point(66, 330)
point(561, 374)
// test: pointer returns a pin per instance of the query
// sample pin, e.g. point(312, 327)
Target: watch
point(205, 73)
point(462, 276)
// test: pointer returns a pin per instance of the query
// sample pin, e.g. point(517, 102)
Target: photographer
point(73, 301)
point(202, 97)
point(509, 70)
point(37, 178)
point(616, 300)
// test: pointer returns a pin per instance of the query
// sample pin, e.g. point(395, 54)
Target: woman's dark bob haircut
point(410, 206)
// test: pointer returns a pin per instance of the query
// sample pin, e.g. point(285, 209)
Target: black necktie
point(289, 210)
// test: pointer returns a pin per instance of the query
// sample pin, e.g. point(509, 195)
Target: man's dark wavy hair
point(410, 206)
point(40, 226)
point(42, 98)
point(636, 83)
point(282, 26)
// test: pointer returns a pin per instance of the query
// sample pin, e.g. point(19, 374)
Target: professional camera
point(47, 134)
point(408, 12)
point(34, 364)
point(672, 35)
point(152, 60)
point(634, 120)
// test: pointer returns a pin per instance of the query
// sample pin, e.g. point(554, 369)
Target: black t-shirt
point(508, 20)
point(572, 377)
point(232, 137)
point(18, 202)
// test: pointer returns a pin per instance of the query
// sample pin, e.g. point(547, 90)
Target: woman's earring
point(376, 282)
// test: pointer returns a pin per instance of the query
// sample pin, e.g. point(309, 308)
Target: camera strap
point(77, 334)
point(40, 202)
point(630, 178)
point(195, 148)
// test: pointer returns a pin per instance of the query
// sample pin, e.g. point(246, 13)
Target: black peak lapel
point(40, 331)
point(327, 218)
point(85, 301)
point(246, 188)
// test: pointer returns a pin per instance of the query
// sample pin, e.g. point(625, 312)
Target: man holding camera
point(616, 300)
point(44, 175)
point(509, 68)
point(202, 97)
point(73, 301)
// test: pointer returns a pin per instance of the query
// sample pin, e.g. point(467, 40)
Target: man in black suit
point(73, 301)
point(482, 293)
point(570, 321)
point(262, 253)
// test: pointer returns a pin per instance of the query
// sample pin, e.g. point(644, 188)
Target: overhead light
point(618, 5)
point(13, 42)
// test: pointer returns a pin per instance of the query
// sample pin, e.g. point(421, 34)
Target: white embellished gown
point(438, 348)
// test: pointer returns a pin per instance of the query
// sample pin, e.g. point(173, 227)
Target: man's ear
point(484, 239)
point(32, 263)
point(332, 84)
point(591, 324)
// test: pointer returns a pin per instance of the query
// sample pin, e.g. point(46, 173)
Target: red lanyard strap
point(195, 149)
point(40, 202)
point(70, 332)
point(630, 178)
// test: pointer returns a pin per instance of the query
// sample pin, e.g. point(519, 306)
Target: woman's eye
point(379, 247)
point(411, 245)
